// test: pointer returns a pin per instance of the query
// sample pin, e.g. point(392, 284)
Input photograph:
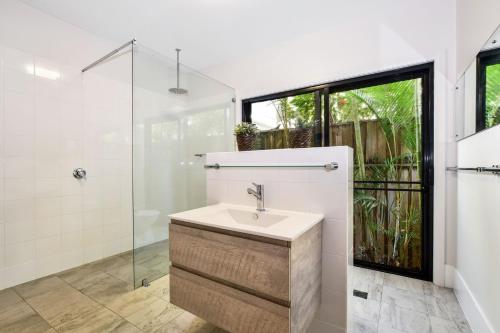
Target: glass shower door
point(171, 132)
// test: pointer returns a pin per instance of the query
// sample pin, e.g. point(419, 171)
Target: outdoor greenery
point(245, 129)
point(492, 95)
point(387, 218)
point(387, 223)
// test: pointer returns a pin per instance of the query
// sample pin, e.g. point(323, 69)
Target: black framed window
point(488, 89)
point(387, 118)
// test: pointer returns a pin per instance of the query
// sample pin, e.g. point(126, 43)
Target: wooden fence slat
point(376, 152)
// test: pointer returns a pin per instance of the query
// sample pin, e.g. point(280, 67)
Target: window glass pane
point(492, 95)
point(287, 122)
point(383, 125)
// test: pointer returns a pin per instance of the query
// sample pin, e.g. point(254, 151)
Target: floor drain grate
point(361, 294)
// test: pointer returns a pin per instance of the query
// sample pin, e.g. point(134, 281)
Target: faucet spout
point(258, 193)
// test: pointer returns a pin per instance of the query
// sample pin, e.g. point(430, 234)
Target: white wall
point(477, 230)
point(49, 221)
point(476, 21)
point(390, 34)
point(309, 190)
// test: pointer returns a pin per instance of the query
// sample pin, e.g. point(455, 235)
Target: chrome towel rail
point(495, 169)
point(328, 167)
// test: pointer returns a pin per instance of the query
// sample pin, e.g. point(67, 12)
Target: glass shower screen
point(171, 132)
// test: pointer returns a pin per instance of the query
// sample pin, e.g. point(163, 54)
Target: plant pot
point(246, 141)
point(300, 137)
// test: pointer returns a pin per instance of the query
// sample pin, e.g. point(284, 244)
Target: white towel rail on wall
point(495, 169)
point(328, 167)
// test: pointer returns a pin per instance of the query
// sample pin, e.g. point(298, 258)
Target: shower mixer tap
point(79, 173)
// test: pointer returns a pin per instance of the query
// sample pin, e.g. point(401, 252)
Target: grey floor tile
point(117, 266)
point(98, 298)
point(463, 326)
point(367, 275)
point(404, 320)
point(457, 315)
point(387, 329)
point(8, 297)
point(359, 325)
point(395, 281)
point(126, 327)
point(119, 296)
point(186, 323)
point(404, 299)
point(160, 288)
point(19, 317)
point(410, 305)
point(365, 309)
point(65, 308)
point(155, 316)
point(401, 282)
point(100, 320)
point(40, 286)
point(430, 289)
point(415, 286)
point(440, 325)
point(82, 277)
point(437, 307)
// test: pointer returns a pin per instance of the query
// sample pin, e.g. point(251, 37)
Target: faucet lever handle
point(257, 185)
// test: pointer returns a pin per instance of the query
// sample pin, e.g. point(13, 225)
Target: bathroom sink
point(273, 223)
point(261, 219)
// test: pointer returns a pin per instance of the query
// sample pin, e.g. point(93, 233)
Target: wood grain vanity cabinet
point(246, 283)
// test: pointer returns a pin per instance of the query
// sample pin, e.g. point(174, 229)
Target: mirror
point(478, 91)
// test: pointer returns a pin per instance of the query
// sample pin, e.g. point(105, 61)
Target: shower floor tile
point(98, 298)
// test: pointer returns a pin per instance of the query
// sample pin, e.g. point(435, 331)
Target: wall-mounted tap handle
point(79, 173)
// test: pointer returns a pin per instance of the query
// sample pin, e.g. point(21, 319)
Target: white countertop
point(272, 223)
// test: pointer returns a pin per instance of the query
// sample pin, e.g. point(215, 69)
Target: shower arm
point(178, 68)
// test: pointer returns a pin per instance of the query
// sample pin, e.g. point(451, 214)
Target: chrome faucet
point(258, 193)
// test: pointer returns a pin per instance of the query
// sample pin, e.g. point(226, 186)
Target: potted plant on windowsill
point(301, 135)
point(246, 136)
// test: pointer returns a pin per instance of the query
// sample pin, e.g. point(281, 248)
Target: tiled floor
point(98, 297)
point(397, 304)
point(151, 262)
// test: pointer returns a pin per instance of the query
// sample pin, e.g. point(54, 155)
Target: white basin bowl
point(261, 219)
point(273, 223)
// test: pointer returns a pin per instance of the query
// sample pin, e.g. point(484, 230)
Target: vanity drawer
point(228, 308)
point(259, 268)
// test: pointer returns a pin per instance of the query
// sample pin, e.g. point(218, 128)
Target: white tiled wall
point(53, 119)
point(312, 190)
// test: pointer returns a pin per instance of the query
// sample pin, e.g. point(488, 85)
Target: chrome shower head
point(178, 90)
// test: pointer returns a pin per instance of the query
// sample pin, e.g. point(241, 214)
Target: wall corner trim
point(472, 309)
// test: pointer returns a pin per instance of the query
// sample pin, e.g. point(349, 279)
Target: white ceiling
point(210, 32)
